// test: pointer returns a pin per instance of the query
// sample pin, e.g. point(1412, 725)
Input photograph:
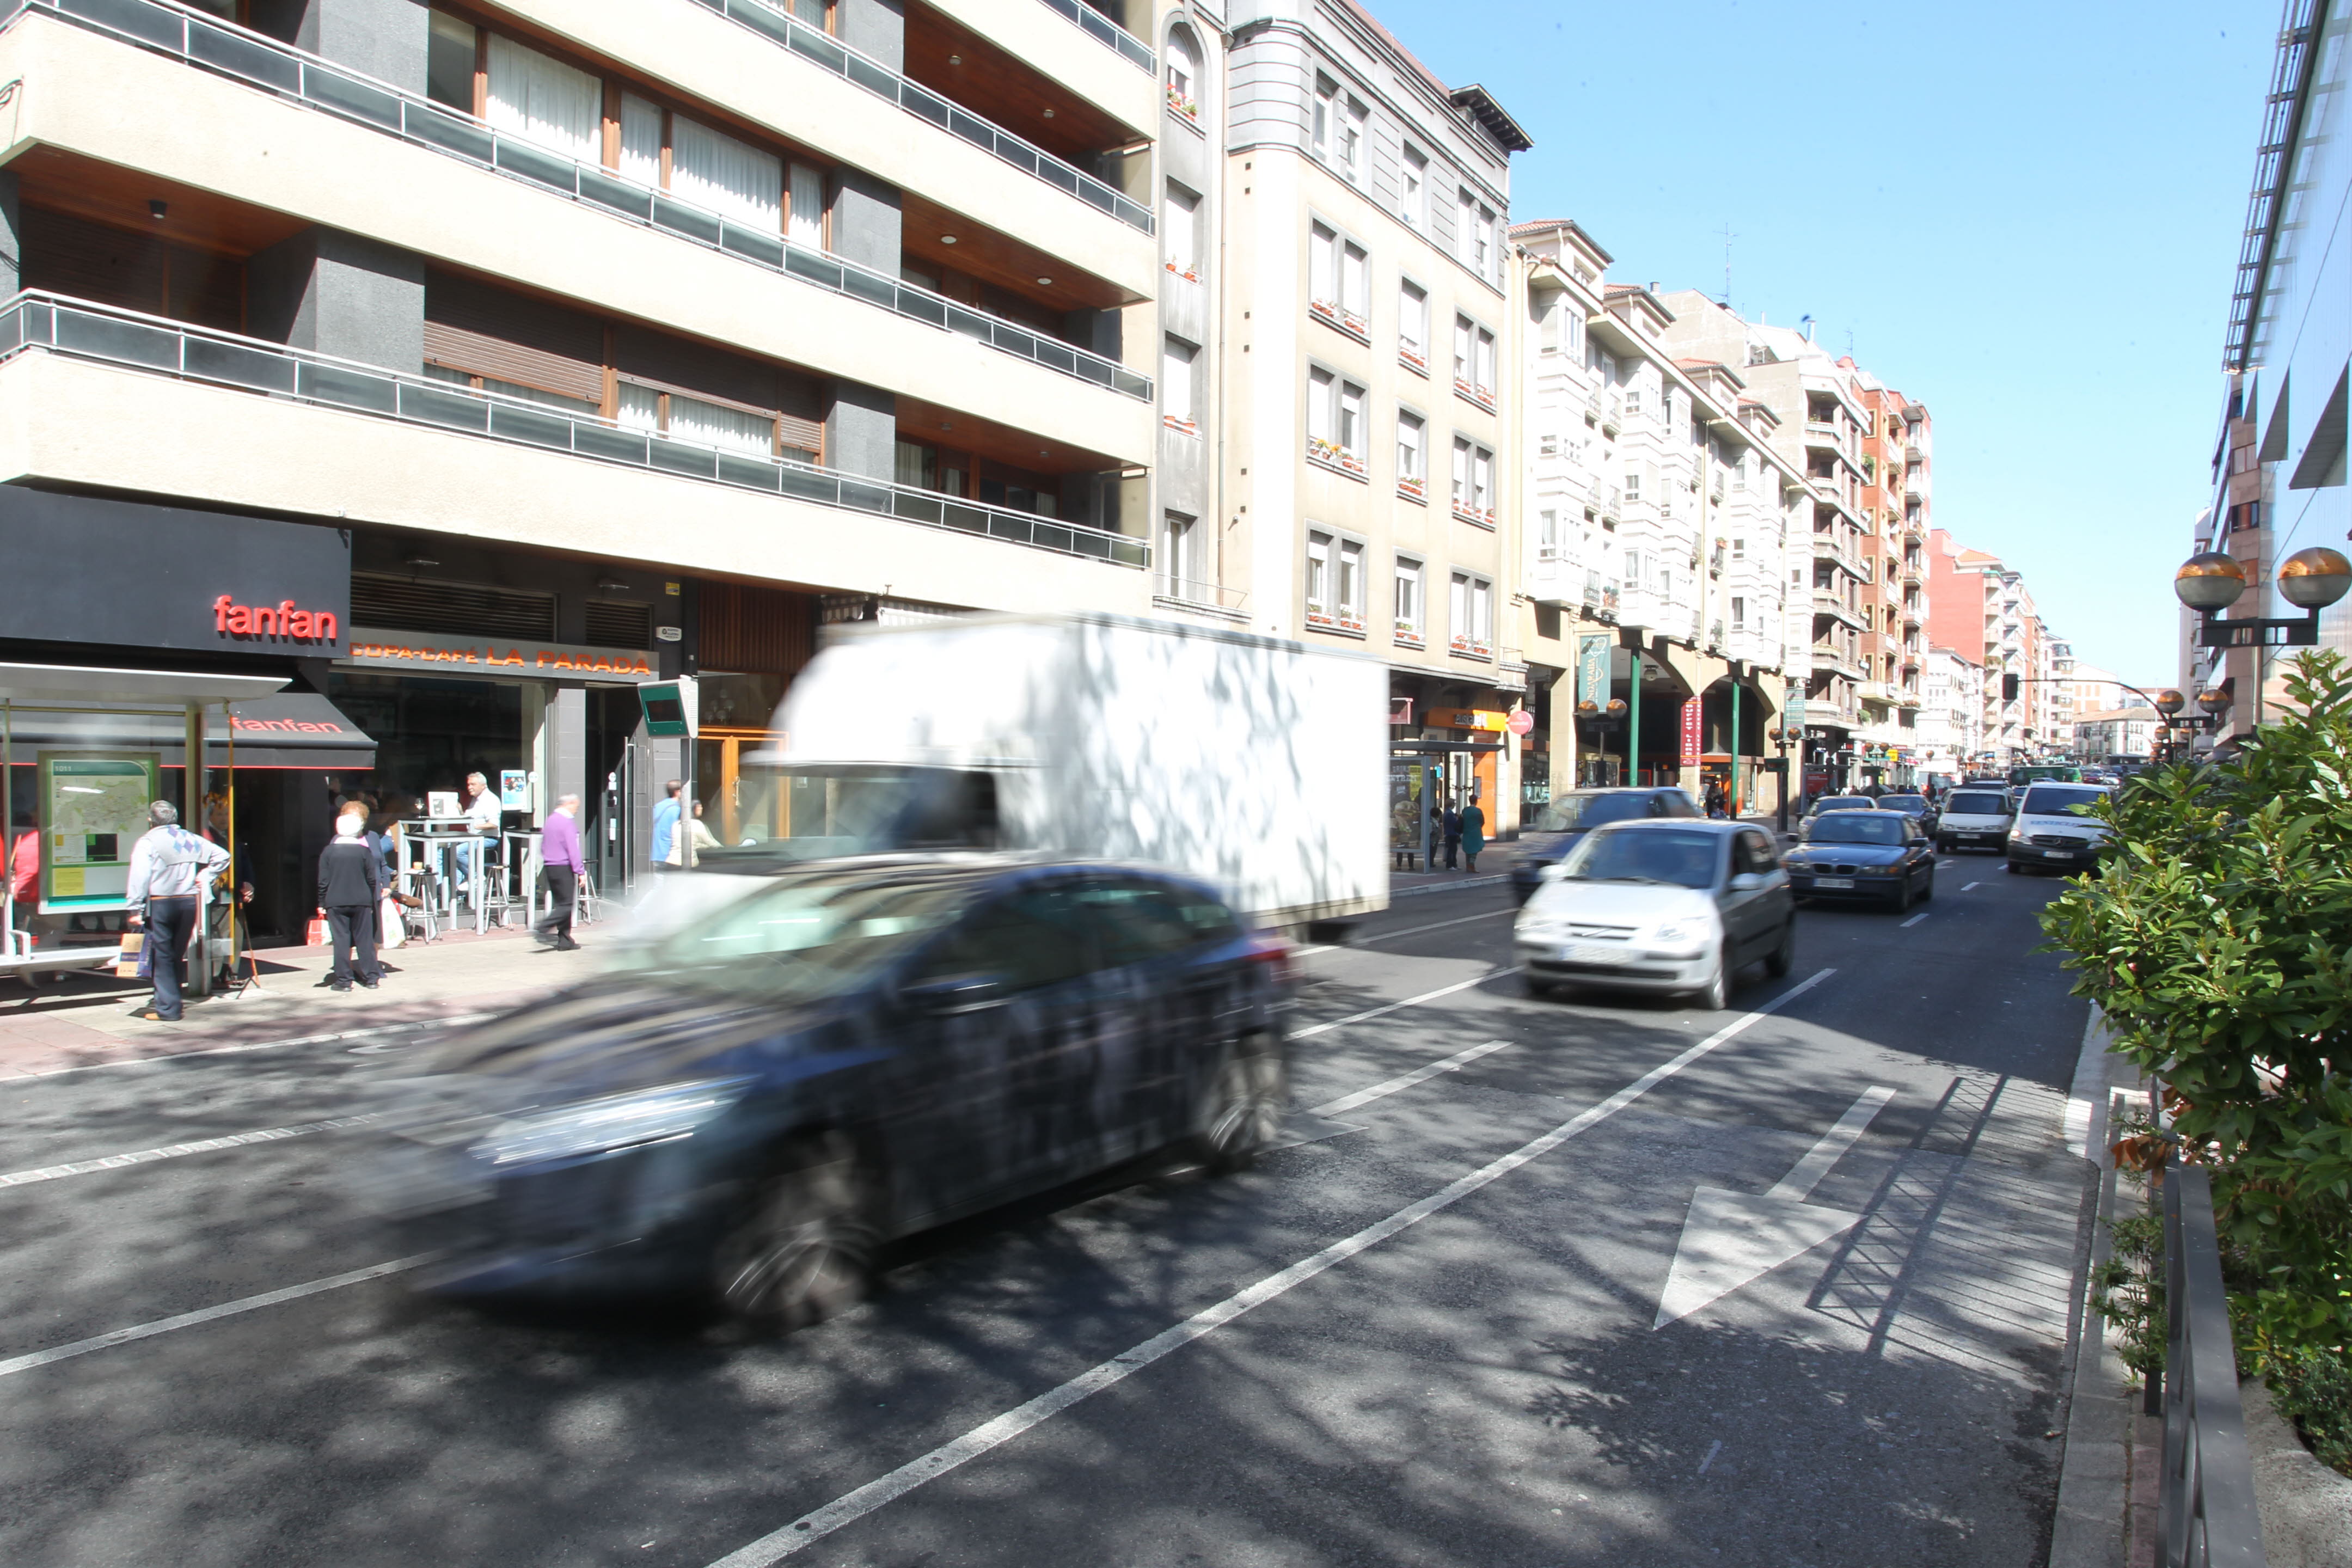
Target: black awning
point(289, 729)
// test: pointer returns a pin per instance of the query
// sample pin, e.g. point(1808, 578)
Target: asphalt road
point(1630, 1284)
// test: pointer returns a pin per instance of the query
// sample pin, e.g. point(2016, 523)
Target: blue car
point(833, 1056)
point(1879, 856)
point(1564, 822)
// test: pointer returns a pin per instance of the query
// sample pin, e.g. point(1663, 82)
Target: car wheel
point(1929, 891)
point(1783, 958)
point(1543, 990)
point(1903, 896)
point(1245, 1105)
point(1716, 995)
point(804, 1249)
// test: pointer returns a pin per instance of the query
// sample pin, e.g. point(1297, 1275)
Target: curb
point(1421, 887)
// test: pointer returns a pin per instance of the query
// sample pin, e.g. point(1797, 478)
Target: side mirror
point(1747, 882)
point(952, 993)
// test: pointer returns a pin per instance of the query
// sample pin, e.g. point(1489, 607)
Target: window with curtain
point(1409, 435)
point(1320, 385)
point(1461, 472)
point(714, 170)
point(1319, 576)
point(1408, 596)
point(1322, 264)
point(542, 100)
point(1413, 321)
point(729, 429)
point(808, 206)
point(1355, 282)
point(641, 139)
point(640, 407)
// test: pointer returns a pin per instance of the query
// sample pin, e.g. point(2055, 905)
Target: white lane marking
point(174, 1150)
point(810, 1527)
point(1440, 925)
point(453, 1021)
point(1972, 886)
point(1398, 1006)
point(208, 1314)
point(1915, 920)
point(1712, 1450)
point(1459, 1059)
point(1807, 1173)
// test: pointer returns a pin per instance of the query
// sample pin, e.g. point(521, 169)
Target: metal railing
point(130, 341)
point(263, 62)
point(1209, 596)
point(1105, 31)
point(820, 48)
point(2206, 1497)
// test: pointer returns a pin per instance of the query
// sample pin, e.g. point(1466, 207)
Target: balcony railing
point(130, 341)
point(1203, 596)
point(820, 48)
point(1612, 415)
point(1608, 500)
point(263, 62)
point(1105, 31)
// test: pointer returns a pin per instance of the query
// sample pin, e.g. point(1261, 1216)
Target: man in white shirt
point(169, 868)
point(484, 816)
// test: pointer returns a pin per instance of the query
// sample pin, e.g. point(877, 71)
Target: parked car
point(1876, 855)
point(1567, 819)
point(2052, 829)
point(1917, 807)
point(1839, 803)
point(1973, 819)
point(1664, 906)
point(838, 1055)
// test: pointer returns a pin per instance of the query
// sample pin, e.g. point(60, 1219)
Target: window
point(1183, 76)
point(1322, 267)
point(1318, 579)
point(1460, 474)
point(1350, 586)
point(1482, 481)
point(699, 420)
point(1339, 283)
point(1351, 420)
point(1482, 367)
point(1547, 547)
point(1351, 140)
point(1633, 560)
point(1412, 454)
point(1355, 285)
point(1740, 473)
point(1632, 484)
point(1633, 400)
point(1183, 574)
point(1408, 606)
point(1176, 357)
point(451, 50)
point(1462, 339)
point(916, 465)
point(1738, 612)
point(1412, 325)
point(1548, 445)
point(542, 100)
point(1412, 196)
point(1325, 111)
point(1334, 420)
point(1740, 549)
point(1475, 235)
point(1320, 385)
point(1182, 218)
point(1473, 606)
point(733, 178)
point(641, 139)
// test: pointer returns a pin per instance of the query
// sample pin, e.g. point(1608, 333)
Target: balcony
point(1510, 671)
point(1606, 609)
point(1613, 414)
point(1715, 637)
point(1104, 31)
point(150, 347)
point(1912, 454)
point(1835, 606)
point(1838, 662)
point(1595, 405)
point(289, 74)
point(1609, 501)
point(1201, 599)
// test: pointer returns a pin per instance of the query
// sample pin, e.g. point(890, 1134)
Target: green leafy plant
point(2313, 1388)
point(2219, 943)
point(2128, 1291)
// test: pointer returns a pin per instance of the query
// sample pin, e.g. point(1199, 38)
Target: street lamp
point(2168, 702)
point(2311, 580)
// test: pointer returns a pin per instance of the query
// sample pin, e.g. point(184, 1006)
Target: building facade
point(605, 343)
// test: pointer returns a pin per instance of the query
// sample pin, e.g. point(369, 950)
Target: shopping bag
point(391, 931)
point(128, 962)
point(315, 934)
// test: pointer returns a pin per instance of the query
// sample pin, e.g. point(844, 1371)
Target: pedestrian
point(24, 872)
point(666, 826)
point(1715, 804)
point(1474, 833)
point(169, 868)
point(351, 886)
point(1453, 836)
point(699, 837)
point(484, 816)
point(558, 852)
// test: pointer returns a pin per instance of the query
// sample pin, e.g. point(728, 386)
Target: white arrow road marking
point(1731, 1238)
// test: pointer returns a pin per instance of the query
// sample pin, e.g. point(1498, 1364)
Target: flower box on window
point(1324, 308)
point(1413, 490)
point(1183, 105)
point(1181, 427)
point(1316, 618)
point(1412, 360)
point(1333, 455)
point(1476, 516)
point(1188, 277)
point(1351, 623)
point(1484, 396)
point(1407, 634)
point(1459, 643)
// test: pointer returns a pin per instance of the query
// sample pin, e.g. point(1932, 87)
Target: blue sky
point(2027, 216)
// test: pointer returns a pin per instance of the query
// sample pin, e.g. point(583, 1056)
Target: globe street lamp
point(2311, 580)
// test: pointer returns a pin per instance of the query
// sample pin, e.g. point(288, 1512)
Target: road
point(1621, 1283)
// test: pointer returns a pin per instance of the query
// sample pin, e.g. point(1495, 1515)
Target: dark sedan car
point(1829, 803)
point(1876, 855)
point(1567, 819)
point(1917, 807)
point(832, 1058)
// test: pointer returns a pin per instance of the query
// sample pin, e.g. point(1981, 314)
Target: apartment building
point(1895, 460)
point(1655, 521)
point(519, 353)
point(1359, 492)
point(1982, 610)
point(1952, 714)
point(2279, 455)
point(1822, 427)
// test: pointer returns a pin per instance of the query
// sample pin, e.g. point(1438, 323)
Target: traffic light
point(2008, 688)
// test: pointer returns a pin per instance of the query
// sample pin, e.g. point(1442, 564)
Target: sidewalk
point(1494, 863)
point(86, 1021)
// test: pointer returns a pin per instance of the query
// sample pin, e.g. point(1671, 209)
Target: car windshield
point(1846, 803)
point(801, 939)
point(2061, 800)
point(1858, 830)
point(1576, 813)
point(1975, 803)
point(1910, 804)
point(1676, 859)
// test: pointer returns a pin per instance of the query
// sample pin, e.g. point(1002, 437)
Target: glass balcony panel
point(871, 287)
point(762, 19)
point(530, 425)
point(822, 49)
point(149, 24)
point(929, 106)
point(865, 496)
point(240, 57)
point(971, 324)
point(603, 441)
point(12, 331)
point(679, 458)
point(105, 337)
point(813, 267)
point(808, 484)
point(332, 90)
point(620, 195)
point(436, 405)
point(437, 128)
point(872, 77)
point(970, 519)
point(750, 472)
point(917, 508)
point(923, 306)
point(353, 388)
point(765, 249)
point(254, 368)
point(535, 164)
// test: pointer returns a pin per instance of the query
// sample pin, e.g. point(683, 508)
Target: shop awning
point(274, 730)
point(65, 684)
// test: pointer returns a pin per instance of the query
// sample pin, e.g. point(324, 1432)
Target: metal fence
point(1103, 30)
point(225, 49)
point(2208, 1487)
point(130, 341)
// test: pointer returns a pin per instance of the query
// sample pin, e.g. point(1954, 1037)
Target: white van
point(1973, 817)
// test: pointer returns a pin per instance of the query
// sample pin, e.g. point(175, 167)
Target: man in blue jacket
point(665, 825)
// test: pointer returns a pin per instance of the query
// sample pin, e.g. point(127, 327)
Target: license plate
point(1587, 952)
point(2060, 854)
point(1834, 881)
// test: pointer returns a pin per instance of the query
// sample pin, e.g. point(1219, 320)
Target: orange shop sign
point(1469, 718)
point(399, 650)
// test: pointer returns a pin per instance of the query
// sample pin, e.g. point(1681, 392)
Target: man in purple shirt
point(558, 852)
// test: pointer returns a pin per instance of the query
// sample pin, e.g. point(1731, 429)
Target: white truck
point(1255, 763)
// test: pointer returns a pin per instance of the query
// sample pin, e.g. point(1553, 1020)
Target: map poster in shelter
point(94, 809)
